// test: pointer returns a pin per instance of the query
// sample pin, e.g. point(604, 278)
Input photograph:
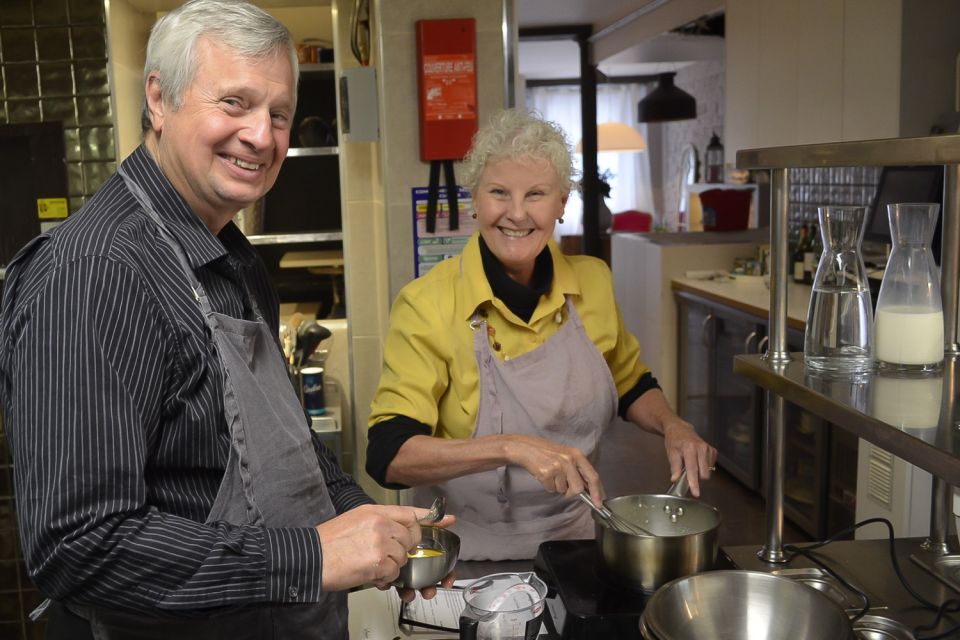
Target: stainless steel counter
point(867, 565)
point(868, 406)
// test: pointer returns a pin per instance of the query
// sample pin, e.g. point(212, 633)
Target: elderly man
point(167, 483)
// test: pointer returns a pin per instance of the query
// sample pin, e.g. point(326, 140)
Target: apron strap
point(199, 294)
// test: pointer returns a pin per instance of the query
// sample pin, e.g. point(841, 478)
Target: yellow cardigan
point(429, 369)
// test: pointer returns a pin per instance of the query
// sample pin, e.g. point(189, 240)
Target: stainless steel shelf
point(295, 238)
point(301, 152)
point(852, 404)
point(886, 152)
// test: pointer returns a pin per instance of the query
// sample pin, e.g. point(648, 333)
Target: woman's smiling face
point(518, 203)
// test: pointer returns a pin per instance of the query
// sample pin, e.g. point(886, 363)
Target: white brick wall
point(705, 82)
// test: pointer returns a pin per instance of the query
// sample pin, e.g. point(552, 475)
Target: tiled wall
point(816, 187)
point(53, 66)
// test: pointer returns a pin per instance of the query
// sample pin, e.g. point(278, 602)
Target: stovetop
point(583, 602)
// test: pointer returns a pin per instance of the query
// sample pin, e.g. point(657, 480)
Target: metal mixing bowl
point(742, 605)
point(424, 572)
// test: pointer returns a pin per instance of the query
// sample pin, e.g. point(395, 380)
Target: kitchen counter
point(644, 266)
point(750, 295)
point(867, 565)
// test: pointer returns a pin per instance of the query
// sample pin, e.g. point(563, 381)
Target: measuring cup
point(503, 606)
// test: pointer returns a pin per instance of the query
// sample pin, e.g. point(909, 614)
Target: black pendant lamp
point(667, 102)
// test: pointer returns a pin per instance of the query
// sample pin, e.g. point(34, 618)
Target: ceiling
point(631, 36)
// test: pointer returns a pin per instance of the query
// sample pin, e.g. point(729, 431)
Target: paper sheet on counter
point(375, 615)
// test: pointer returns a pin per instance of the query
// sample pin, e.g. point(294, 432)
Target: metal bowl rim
point(653, 627)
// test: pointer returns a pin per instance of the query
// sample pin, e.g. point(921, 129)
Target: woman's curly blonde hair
point(516, 134)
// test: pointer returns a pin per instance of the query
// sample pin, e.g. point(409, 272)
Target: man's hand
point(408, 595)
point(558, 468)
point(369, 544)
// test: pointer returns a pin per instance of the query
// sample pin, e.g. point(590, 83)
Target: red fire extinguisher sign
point(447, 80)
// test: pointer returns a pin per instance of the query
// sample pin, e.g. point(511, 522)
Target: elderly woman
point(504, 366)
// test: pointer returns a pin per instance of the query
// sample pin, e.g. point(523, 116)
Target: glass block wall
point(817, 187)
point(53, 67)
point(53, 61)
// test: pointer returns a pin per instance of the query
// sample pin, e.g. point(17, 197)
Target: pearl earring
point(474, 215)
point(560, 220)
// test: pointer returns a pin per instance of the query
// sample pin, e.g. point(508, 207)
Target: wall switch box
point(359, 118)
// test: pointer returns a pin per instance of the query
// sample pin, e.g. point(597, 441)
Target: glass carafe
point(909, 319)
point(839, 331)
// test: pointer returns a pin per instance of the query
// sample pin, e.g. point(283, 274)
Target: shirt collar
point(186, 227)
point(518, 297)
point(478, 291)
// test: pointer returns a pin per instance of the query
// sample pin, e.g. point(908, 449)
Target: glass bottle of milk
point(909, 316)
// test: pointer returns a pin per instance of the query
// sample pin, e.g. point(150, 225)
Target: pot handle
point(680, 488)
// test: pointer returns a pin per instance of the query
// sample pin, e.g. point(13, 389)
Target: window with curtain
point(630, 186)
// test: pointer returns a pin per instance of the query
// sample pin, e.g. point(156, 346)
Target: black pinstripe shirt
point(112, 397)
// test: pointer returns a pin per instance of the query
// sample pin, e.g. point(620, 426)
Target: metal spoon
point(437, 509)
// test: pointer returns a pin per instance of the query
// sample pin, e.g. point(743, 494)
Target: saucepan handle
point(680, 488)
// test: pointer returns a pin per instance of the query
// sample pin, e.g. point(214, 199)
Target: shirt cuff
point(644, 384)
point(294, 565)
point(384, 440)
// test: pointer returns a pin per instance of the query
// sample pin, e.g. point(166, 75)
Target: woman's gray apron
point(272, 479)
point(561, 391)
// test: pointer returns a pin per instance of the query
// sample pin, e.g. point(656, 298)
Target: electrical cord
point(950, 605)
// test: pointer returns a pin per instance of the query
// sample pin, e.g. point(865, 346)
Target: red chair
point(631, 221)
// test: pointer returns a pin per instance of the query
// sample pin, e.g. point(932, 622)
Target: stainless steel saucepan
point(683, 538)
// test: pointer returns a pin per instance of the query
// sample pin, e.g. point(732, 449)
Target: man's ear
point(154, 101)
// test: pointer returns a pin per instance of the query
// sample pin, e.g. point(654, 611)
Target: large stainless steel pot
point(684, 541)
point(742, 605)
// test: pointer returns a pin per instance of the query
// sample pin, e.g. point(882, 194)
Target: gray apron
point(272, 479)
point(561, 391)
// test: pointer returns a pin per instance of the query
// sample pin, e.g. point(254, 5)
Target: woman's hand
point(558, 468)
point(687, 450)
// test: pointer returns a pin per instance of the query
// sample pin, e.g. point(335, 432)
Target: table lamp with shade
point(616, 137)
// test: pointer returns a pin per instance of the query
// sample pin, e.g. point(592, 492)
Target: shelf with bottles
point(848, 402)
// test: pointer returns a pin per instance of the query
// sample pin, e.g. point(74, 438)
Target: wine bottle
point(811, 256)
point(798, 254)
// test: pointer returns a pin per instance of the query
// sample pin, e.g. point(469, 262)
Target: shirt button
point(293, 591)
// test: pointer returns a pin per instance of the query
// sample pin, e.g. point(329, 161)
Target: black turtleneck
point(519, 298)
